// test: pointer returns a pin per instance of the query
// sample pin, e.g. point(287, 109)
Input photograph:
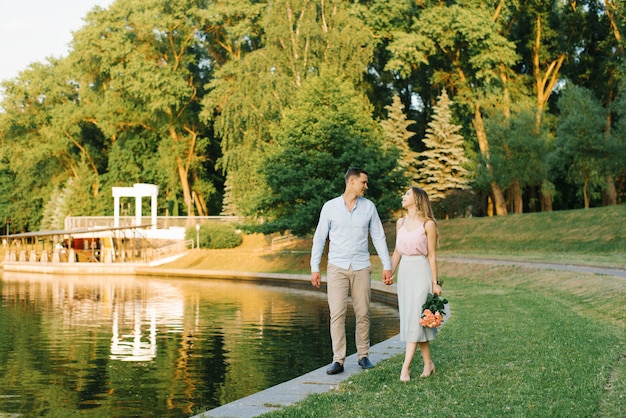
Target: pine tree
point(50, 210)
point(57, 208)
point(229, 207)
point(443, 160)
point(397, 135)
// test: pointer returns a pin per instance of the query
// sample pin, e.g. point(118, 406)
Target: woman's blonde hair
point(423, 206)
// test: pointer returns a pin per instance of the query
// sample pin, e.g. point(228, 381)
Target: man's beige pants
point(340, 284)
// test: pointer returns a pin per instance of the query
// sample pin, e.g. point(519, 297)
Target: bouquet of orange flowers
point(433, 311)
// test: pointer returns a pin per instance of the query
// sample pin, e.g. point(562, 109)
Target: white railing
point(73, 223)
point(279, 242)
point(152, 254)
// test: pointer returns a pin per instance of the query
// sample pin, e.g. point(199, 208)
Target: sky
point(31, 30)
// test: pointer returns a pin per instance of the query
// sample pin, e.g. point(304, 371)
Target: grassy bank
point(592, 237)
point(520, 342)
point(595, 237)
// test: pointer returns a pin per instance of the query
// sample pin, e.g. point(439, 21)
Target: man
point(348, 220)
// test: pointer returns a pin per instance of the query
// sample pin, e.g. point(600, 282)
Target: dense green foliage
point(581, 148)
point(203, 99)
point(329, 128)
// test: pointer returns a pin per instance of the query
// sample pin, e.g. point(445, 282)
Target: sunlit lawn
point(521, 342)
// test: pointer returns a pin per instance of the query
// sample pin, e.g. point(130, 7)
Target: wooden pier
point(114, 247)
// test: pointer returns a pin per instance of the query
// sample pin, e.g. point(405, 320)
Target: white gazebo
point(138, 191)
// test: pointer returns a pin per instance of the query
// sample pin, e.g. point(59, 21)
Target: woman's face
point(407, 199)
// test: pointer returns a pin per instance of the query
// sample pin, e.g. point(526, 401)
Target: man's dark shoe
point(365, 363)
point(335, 368)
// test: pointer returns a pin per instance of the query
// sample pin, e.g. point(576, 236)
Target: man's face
point(359, 184)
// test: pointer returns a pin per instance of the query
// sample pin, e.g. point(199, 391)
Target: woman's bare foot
point(405, 376)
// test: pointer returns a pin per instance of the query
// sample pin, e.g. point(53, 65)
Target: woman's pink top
point(412, 242)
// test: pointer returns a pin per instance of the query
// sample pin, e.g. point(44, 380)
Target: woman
point(414, 257)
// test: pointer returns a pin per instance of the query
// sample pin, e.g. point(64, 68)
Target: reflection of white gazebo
point(131, 347)
point(138, 191)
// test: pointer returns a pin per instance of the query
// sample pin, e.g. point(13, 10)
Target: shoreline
point(316, 381)
point(272, 398)
point(382, 293)
point(294, 390)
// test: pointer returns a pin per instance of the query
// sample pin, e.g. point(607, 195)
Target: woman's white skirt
point(414, 285)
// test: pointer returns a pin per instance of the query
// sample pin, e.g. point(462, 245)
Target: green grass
point(521, 342)
point(593, 236)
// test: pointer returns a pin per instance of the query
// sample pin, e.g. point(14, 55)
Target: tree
point(598, 65)
point(466, 54)
point(70, 199)
point(327, 130)
point(397, 135)
point(232, 28)
point(44, 142)
point(568, 39)
point(520, 151)
point(618, 141)
point(444, 161)
point(580, 144)
point(171, 92)
point(248, 97)
point(143, 68)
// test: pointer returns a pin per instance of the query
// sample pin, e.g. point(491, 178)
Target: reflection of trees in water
point(210, 365)
point(214, 342)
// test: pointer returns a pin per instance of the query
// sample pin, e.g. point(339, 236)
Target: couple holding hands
point(346, 221)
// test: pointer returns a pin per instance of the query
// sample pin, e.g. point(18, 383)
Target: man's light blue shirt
point(348, 233)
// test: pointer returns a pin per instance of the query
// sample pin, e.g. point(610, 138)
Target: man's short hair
point(354, 171)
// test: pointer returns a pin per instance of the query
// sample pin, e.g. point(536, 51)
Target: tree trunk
point(483, 145)
point(498, 199)
point(585, 195)
point(611, 193)
point(610, 196)
point(532, 198)
point(183, 162)
point(546, 202)
point(611, 8)
point(516, 197)
point(200, 206)
point(184, 183)
point(544, 86)
point(546, 197)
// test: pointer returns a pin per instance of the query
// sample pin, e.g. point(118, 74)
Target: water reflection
point(125, 346)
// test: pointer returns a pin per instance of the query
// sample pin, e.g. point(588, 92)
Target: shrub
point(215, 235)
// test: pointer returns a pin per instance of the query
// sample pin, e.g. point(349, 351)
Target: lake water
point(126, 346)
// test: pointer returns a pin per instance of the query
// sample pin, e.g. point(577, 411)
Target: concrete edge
point(292, 391)
point(386, 294)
